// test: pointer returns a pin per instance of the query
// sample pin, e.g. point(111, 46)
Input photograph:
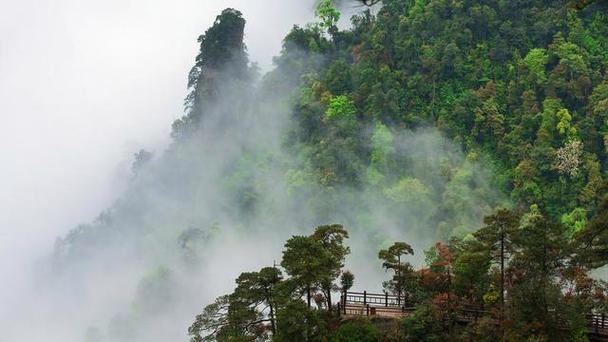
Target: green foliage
point(241, 315)
point(498, 238)
point(404, 277)
point(575, 221)
point(382, 143)
point(315, 261)
point(536, 60)
point(423, 325)
point(211, 318)
point(408, 190)
point(263, 304)
point(564, 124)
point(540, 258)
point(338, 78)
point(298, 322)
point(520, 86)
point(360, 331)
point(382, 153)
point(327, 13)
point(480, 73)
point(593, 239)
point(526, 271)
point(222, 56)
point(347, 280)
point(340, 107)
point(331, 239)
point(472, 271)
point(304, 259)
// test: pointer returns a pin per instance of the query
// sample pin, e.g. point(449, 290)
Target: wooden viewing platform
point(374, 304)
point(384, 305)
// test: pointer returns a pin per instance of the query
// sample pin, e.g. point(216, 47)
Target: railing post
point(367, 310)
point(385, 298)
point(344, 302)
point(364, 297)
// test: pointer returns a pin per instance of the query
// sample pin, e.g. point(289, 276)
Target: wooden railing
point(374, 299)
point(372, 304)
point(597, 324)
point(392, 306)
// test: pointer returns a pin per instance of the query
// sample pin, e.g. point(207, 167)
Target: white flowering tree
point(568, 158)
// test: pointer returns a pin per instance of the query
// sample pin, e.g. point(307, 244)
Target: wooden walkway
point(383, 305)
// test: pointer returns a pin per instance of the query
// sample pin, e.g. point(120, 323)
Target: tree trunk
point(399, 282)
point(272, 321)
point(308, 296)
point(502, 281)
point(502, 272)
point(450, 313)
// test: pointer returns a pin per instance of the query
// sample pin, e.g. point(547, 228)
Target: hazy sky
point(84, 85)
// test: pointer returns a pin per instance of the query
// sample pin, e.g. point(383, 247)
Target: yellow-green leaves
point(408, 190)
point(340, 107)
point(327, 13)
point(564, 124)
point(575, 221)
point(536, 60)
point(382, 149)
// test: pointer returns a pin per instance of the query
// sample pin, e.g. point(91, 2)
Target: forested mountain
point(523, 83)
point(424, 121)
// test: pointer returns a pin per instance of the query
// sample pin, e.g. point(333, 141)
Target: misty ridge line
point(235, 183)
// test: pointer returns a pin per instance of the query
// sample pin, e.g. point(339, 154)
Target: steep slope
point(238, 180)
point(412, 126)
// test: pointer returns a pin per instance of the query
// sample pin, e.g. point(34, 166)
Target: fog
point(84, 86)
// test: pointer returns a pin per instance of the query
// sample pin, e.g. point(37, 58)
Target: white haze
point(83, 87)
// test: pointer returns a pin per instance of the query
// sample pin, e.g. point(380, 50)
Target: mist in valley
point(192, 211)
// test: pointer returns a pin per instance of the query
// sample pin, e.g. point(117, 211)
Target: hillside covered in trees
point(519, 85)
point(522, 84)
point(476, 127)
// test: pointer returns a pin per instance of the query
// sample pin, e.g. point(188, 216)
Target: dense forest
point(476, 128)
point(521, 85)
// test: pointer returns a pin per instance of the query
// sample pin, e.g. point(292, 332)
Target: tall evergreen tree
point(332, 238)
point(404, 276)
point(497, 236)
